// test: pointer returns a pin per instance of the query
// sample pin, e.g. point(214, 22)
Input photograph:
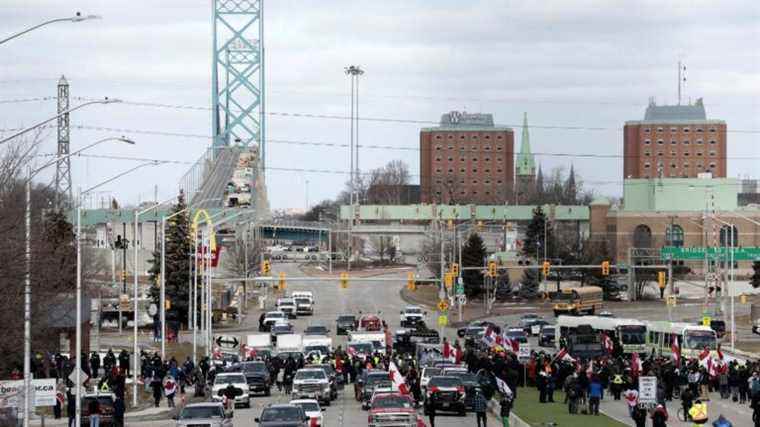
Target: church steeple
point(526, 164)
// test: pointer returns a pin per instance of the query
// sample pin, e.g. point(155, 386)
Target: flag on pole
point(607, 343)
point(397, 378)
point(675, 349)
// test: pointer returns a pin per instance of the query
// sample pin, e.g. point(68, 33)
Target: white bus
point(581, 339)
point(630, 333)
point(692, 339)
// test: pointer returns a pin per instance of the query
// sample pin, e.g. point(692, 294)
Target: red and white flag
point(703, 355)
point(397, 378)
point(562, 355)
point(590, 369)
point(675, 350)
point(459, 355)
point(607, 343)
point(446, 349)
point(635, 364)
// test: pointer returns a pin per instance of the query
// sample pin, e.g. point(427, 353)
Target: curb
point(514, 421)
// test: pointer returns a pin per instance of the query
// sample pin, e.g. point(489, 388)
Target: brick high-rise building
point(676, 141)
point(466, 159)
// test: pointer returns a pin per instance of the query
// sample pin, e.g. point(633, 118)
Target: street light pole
point(28, 262)
point(76, 18)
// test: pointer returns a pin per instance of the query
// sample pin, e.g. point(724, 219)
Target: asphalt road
point(330, 301)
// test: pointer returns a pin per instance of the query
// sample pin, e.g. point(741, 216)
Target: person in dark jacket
point(506, 407)
point(480, 406)
point(95, 363)
point(660, 417)
point(118, 412)
point(430, 409)
point(93, 408)
point(124, 362)
point(71, 408)
point(158, 390)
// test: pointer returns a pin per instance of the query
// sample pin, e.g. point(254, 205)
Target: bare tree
point(388, 183)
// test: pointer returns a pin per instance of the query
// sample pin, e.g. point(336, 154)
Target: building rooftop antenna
point(681, 79)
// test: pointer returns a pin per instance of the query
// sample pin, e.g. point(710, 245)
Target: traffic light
point(545, 268)
point(266, 267)
point(123, 275)
point(492, 269)
point(605, 268)
point(344, 280)
point(448, 280)
point(282, 281)
point(661, 279)
point(410, 281)
point(455, 269)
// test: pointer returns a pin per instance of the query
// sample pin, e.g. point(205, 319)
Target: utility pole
point(63, 166)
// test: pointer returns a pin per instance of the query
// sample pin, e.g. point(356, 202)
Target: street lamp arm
point(58, 159)
point(77, 18)
point(23, 131)
point(115, 177)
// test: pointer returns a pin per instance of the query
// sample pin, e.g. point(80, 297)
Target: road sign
point(747, 253)
point(647, 390)
point(462, 299)
point(443, 320)
point(227, 342)
point(153, 309)
point(443, 305)
point(706, 320)
point(523, 353)
point(671, 300)
point(43, 393)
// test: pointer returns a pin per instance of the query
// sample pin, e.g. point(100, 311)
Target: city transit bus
point(581, 340)
point(631, 334)
point(692, 339)
point(575, 301)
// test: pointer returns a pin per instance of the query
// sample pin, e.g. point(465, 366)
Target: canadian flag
point(607, 343)
point(446, 349)
point(635, 364)
point(488, 337)
point(675, 349)
point(397, 378)
point(703, 355)
point(562, 355)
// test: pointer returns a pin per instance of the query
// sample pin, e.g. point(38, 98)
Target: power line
point(345, 172)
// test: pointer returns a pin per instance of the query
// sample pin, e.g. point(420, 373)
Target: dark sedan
point(283, 416)
point(345, 323)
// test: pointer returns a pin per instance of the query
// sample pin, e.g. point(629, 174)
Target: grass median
point(530, 410)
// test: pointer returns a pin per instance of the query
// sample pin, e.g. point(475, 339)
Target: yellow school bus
point(575, 301)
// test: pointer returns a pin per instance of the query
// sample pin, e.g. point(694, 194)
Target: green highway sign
point(720, 253)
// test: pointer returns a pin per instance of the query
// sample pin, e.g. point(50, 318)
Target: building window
point(700, 166)
point(659, 154)
point(438, 170)
point(488, 193)
point(673, 153)
point(474, 137)
point(647, 165)
point(713, 142)
point(437, 159)
point(487, 159)
point(461, 137)
point(498, 170)
point(498, 182)
point(712, 153)
point(700, 142)
point(487, 137)
point(474, 182)
point(462, 192)
point(647, 153)
point(712, 130)
point(451, 159)
point(713, 165)
point(499, 160)
point(450, 147)
point(660, 142)
point(647, 142)
point(487, 147)
point(673, 142)
point(674, 235)
point(438, 181)
point(685, 130)
point(437, 148)
point(487, 182)
point(642, 237)
point(451, 170)
point(498, 148)
point(499, 136)
point(699, 153)
point(659, 129)
point(673, 166)
point(729, 236)
point(462, 170)
point(474, 148)
point(646, 130)
point(487, 171)
point(451, 136)
point(699, 130)
point(461, 181)
point(686, 154)
point(474, 171)
point(685, 142)
point(475, 159)
point(474, 193)
point(438, 137)
point(437, 193)
point(673, 129)
point(685, 165)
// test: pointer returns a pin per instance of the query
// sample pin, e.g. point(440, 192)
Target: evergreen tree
point(473, 254)
point(177, 274)
point(533, 245)
point(529, 283)
point(755, 279)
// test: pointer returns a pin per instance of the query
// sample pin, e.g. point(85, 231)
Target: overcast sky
point(565, 63)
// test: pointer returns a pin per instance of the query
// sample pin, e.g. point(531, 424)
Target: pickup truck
point(411, 315)
point(393, 409)
point(312, 383)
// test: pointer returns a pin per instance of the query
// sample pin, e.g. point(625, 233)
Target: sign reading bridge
point(747, 253)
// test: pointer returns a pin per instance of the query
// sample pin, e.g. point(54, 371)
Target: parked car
point(210, 414)
point(534, 328)
point(312, 409)
point(257, 376)
point(316, 330)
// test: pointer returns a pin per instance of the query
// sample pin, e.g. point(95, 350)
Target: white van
point(304, 302)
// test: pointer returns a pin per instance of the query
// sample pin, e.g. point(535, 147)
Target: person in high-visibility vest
point(698, 413)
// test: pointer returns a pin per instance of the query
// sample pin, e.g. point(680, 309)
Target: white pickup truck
point(312, 383)
point(411, 315)
point(304, 302)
